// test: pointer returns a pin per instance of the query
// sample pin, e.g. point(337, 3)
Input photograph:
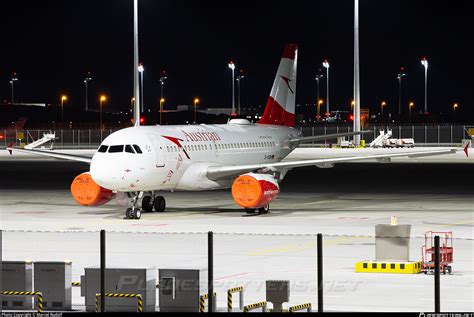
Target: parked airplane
point(137, 163)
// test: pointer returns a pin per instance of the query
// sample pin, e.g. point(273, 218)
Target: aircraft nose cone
point(99, 172)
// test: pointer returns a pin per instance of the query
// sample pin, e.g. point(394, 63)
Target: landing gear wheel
point(159, 204)
point(263, 210)
point(249, 211)
point(128, 213)
point(137, 213)
point(147, 204)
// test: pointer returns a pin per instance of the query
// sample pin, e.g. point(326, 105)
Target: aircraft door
point(159, 149)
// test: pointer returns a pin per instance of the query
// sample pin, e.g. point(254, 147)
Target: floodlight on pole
point(63, 99)
point(101, 101)
point(326, 65)
point(318, 114)
point(162, 101)
point(238, 79)
point(86, 82)
point(232, 67)
point(196, 101)
point(356, 74)
point(424, 62)
point(12, 83)
point(162, 82)
point(410, 105)
point(382, 105)
point(399, 77)
point(141, 70)
point(136, 84)
point(317, 78)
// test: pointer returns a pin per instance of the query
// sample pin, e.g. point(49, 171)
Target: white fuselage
point(177, 157)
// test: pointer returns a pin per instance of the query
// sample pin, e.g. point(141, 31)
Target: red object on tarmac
point(445, 252)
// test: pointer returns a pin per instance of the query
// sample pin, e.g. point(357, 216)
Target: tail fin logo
point(287, 81)
point(280, 107)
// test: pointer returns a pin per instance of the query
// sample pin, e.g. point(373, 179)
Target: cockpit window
point(103, 148)
point(129, 149)
point(116, 149)
point(137, 149)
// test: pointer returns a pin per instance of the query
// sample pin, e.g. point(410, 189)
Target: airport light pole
point(383, 104)
point(162, 82)
point(86, 81)
point(400, 77)
point(238, 79)
point(356, 74)
point(455, 106)
point(318, 77)
point(196, 101)
point(232, 67)
point(326, 65)
point(101, 100)
point(410, 106)
point(63, 99)
point(136, 84)
point(424, 62)
point(162, 101)
point(141, 70)
point(318, 114)
point(12, 83)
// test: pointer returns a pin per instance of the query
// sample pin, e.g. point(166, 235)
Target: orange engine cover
point(87, 193)
point(254, 190)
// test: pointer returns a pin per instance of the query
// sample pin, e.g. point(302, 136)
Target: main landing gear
point(149, 203)
point(258, 211)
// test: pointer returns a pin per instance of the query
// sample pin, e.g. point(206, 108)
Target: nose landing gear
point(149, 203)
point(133, 213)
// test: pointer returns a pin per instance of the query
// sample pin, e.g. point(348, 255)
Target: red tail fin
point(280, 108)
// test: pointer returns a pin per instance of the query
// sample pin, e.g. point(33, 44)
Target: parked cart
point(445, 252)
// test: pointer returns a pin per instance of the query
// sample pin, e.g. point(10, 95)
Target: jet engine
point(254, 190)
point(87, 193)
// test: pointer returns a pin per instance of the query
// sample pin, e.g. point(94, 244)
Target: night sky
point(53, 44)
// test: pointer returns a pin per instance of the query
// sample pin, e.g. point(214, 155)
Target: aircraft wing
point(70, 157)
point(222, 172)
point(327, 136)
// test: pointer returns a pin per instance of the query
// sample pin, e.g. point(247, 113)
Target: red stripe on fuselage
point(275, 114)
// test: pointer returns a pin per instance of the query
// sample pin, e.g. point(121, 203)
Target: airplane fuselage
point(177, 157)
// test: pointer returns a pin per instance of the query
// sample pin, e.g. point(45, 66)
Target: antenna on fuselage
point(136, 88)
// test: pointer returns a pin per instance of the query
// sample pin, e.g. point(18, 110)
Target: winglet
point(466, 147)
point(9, 147)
